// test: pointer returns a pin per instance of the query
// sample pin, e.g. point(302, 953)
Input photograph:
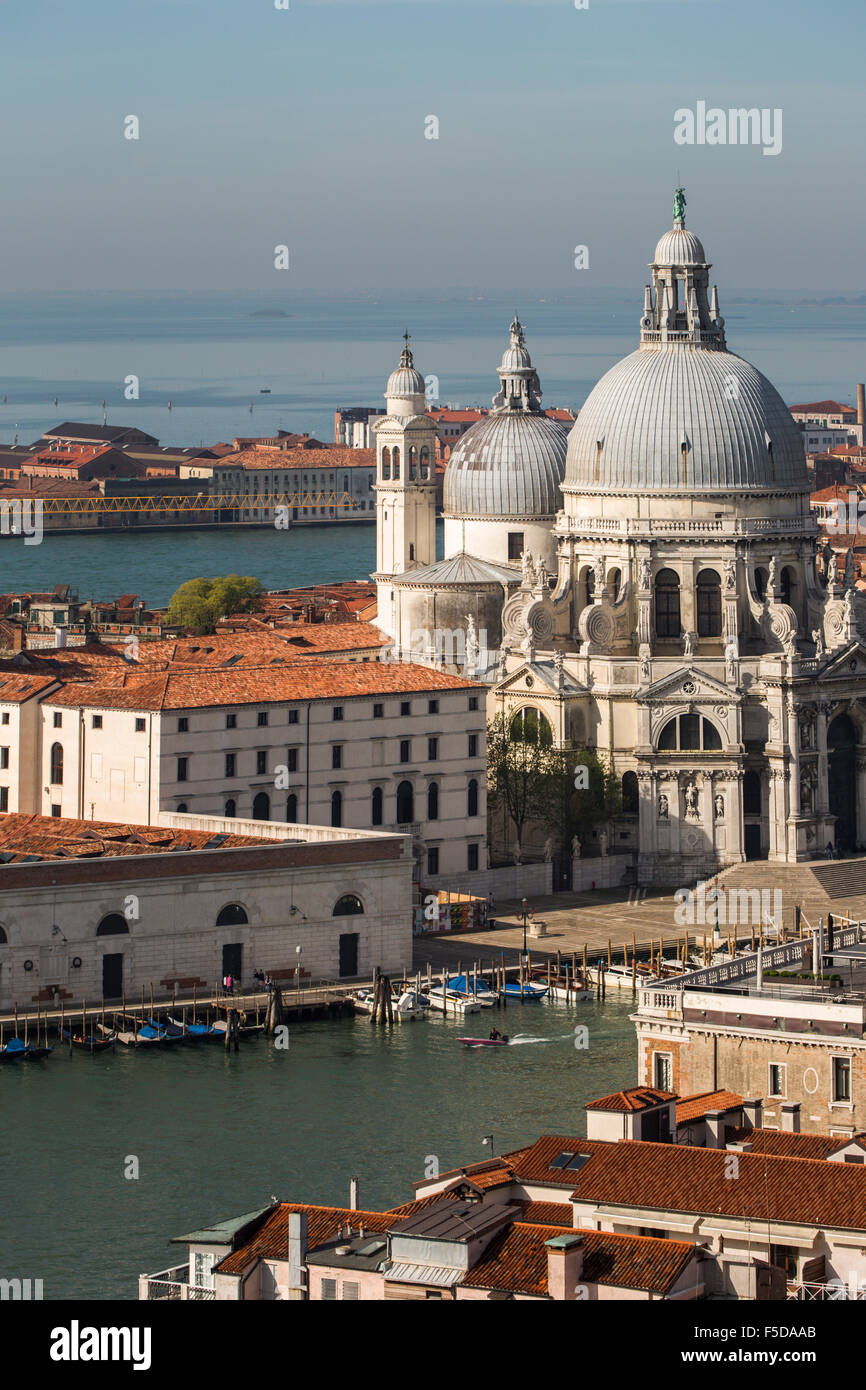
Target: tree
point(516, 763)
point(578, 792)
point(198, 605)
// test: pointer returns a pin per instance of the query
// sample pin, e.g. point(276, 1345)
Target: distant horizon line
point(822, 294)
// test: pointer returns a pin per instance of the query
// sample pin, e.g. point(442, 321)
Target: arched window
point(667, 604)
point(788, 583)
point(261, 806)
point(115, 924)
point(413, 463)
point(231, 807)
point(291, 808)
point(233, 915)
point(411, 551)
point(348, 906)
point(629, 793)
point(405, 804)
point(57, 764)
point(182, 808)
point(3, 937)
point(472, 797)
point(751, 794)
point(337, 808)
point(386, 464)
point(425, 462)
point(530, 726)
point(433, 801)
point(376, 806)
point(760, 582)
point(396, 461)
point(588, 586)
point(709, 604)
point(614, 581)
point(689, 733)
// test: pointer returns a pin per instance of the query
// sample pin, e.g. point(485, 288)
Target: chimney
point(791, 1117)
point(564, 1266)
point(753, 1113)
point(353, 1194)
point(297, 1251)
point(714, 1121)
point(861, 403)
point(60, 637)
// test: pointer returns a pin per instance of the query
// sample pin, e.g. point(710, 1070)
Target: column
point(734, 815)
point(822, 792)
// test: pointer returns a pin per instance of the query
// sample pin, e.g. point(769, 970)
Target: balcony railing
point(174, 1284)
point(832, 1292)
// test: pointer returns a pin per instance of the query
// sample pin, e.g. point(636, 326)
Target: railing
point(174, 1284)
point(834, 1291)
point(723, 526)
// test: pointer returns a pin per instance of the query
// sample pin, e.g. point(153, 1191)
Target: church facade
point(650, 586)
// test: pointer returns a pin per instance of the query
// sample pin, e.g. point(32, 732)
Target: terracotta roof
point(331, 458)
point(55, 837)
point(16, 690)
point(258, 685)
point(780, 1141)
point(516, 1261)
point(695, 1107)
point(271, 1239)
point(677, 1177)
point(488, 1172)
point(332, 637)
point(835, 493)
point(823, 408)
point(546, 1213)
point(634, 1099)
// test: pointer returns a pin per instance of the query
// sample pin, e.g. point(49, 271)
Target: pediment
point(688, 685)
point(539, 678)
point(849, 661)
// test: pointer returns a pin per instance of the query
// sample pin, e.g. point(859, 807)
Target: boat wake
point(523, 1038)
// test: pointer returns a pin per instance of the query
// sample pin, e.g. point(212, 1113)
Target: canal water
point(215, 1135)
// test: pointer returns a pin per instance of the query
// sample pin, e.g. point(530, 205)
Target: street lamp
point(524, 928)
point(298, 950)
point(488, 1141)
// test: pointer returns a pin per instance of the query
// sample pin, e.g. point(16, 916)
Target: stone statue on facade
point(820, 645)
point(805, 794)
point(575, 847)
point(645, 575)
point(662, 806)
point(598, 576)
point(732, 656)
point(691, 799)
point(719, 803)
point(850, 573)
point(541, 575)
point(688, 644)
point(602, 843)
point(832, 571)
point(772, 576)
point(471, 644)
point(548, 849)
point(527, 566)
point(730, 574)
point(645, 669)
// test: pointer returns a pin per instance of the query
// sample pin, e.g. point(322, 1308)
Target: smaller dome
point(405, 381)
point(679, 246)
point(514, 359)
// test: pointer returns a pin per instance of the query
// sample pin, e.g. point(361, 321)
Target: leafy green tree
point(516, 763)
point(198, 605)
point(578, 792)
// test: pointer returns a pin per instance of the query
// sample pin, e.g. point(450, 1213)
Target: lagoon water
point(215, 1134)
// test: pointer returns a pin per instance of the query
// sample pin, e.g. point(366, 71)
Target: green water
point(216, 1135)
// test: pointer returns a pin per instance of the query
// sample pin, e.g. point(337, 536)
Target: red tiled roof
point(546, 1213)
point(677, 1177)
point(55, 837)
point(16, 690)
point(323, 1223)
point(330, 457)
point(250, 685)
point(634, 1099)
point(695, 1107)
point(780, 1141)
point(822, 408)
point(516, 1261)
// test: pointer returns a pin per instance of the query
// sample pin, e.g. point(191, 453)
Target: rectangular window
point(183, 725)
point(473, 745)
point(262, 719)
point(432, 706)
point(785, 1257)
point(4, 798)
point(349, 1290)
point(473, 701)
point(404, 750)
point(231, 721)
point(58, 720)
point(777, 1078)
point(337, 712)
point(663, 1071)
point(140, 726)
point(55, 810)
point(378, 711)
point(261, 763)
point(405, 707)
point(472, 857)
point(432, 861)
point(432, 749)
point(292, 759)
point(293, 716)
point(4, 757)
point(5, 718)
point(515, 545)
point(841, 1078)
point(231, 764)
point(96, 721)
point(329, 1289)
point(336, 755)
point(182, 769)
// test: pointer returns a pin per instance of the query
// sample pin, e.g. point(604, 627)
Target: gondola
point(84, 1043)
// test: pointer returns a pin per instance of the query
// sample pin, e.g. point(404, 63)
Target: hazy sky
point(306, 127)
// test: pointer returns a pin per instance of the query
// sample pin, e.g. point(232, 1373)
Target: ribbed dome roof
point(679, 246)
point(509, 464)
point(646, 407)
point(405, 381)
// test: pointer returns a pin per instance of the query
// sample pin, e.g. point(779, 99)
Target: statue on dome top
point(680, 205)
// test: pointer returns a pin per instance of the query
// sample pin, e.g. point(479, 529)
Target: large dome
point(507, 465)
point(682, 413)
point(737, 431)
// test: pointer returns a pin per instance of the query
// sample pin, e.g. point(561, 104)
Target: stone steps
point(819, 887)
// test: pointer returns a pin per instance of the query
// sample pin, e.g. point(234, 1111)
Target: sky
point(307, 128)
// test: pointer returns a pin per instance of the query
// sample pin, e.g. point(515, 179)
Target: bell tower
point(405, 482)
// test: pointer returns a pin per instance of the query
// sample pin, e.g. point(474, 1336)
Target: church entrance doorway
point(841, 746)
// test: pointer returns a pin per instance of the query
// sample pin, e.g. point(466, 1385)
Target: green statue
point(679, 205)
